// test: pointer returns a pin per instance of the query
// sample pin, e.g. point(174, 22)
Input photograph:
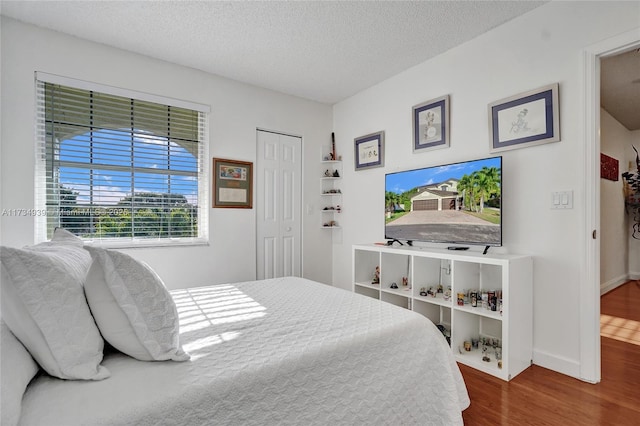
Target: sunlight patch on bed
point(206, 306)
point(622, 329)
point(195, 348)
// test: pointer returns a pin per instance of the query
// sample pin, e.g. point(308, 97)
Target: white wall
point(237, 110)
point(542, 47)
point(615, 141)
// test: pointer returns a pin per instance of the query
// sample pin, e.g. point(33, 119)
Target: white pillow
point(18, 368)
point(133, 309)
point(62, 236)
point(43, 304)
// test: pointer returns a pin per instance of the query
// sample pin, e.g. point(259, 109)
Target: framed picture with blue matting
point(369, 151)
point(526, 119)
point(431, 124)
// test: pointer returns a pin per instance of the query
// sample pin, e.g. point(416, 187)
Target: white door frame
point(590, 289)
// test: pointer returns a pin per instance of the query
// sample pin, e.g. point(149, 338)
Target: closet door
point(279, 201)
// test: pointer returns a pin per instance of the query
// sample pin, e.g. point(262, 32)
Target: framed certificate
point(232, 184)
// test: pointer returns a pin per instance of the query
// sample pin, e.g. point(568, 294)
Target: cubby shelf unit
point(461, 271)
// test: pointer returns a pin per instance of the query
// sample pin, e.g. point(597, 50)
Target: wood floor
point(540, 397)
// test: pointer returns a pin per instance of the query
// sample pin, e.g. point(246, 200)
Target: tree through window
point(120, 168)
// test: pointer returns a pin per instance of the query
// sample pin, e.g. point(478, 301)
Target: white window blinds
point(119, 169)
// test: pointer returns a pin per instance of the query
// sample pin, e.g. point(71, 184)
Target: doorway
point(620, 100)
point(279, 205)
point(590, 350)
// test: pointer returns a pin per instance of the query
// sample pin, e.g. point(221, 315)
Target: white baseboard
point(614, 283)
point(571, 367)
point(562, 365)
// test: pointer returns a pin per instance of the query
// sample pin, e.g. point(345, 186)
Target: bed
point(278, 351)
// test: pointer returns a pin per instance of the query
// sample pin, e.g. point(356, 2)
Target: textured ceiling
point(320, 50)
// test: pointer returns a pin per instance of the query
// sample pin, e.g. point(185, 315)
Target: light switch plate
point(562, 199)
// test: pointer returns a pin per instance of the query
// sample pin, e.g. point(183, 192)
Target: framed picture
point(609, 167)
point(369, 151)
point(431, 124)
point(526, 119)
point(232, 184)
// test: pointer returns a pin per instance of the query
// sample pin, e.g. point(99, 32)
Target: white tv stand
point(462, 271)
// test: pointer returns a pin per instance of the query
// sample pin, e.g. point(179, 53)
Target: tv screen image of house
point(458, 203)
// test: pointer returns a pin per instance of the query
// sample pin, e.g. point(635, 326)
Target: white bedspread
point(280, 351)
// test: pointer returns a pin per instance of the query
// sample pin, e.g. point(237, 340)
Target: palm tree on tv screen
point(479, 186)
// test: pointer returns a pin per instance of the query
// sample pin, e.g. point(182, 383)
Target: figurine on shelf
point(485, 354)
point(336, 174)
point(447, 294)
point(405, 282)
point(423, 291)
point(376, 276)
point(327, 173)
point(393, 285)
point(338, 209)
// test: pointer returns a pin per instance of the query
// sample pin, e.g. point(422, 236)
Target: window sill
point(148, 243)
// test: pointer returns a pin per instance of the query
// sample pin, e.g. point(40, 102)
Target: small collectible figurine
point(327, 173)
point(405, 281)
point(393, 285)
point(423, 291)
point(485, 355)
point(336, 173)
point(376, 276)
point(447, 294)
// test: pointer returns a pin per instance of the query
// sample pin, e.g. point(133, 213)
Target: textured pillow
point(134, 311)
point(62, 236)
point(43, 304)
point(18, 368)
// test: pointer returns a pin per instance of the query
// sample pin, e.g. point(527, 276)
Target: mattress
point(279, 351)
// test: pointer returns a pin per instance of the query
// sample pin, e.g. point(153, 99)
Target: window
point(118, 167)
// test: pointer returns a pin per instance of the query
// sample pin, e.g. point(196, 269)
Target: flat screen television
point(458, 203)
